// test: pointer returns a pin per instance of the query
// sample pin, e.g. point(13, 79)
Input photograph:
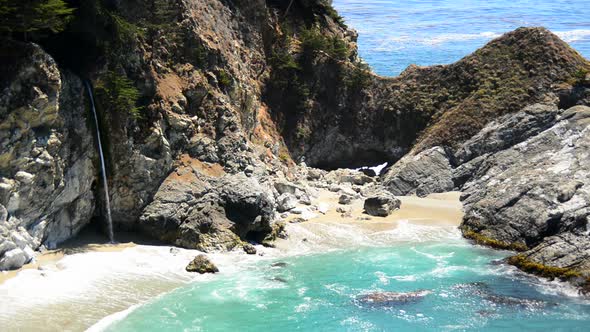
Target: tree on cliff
point(30, 16)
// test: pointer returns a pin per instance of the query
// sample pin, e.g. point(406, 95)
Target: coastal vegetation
point(116, 93)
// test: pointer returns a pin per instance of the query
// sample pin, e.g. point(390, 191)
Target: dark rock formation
point(201, 264)
point(525, 185)
point(199, 206)
point(536, 194)
point(249, 249)
point(425, 173)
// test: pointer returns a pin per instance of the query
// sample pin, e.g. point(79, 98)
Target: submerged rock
point(392, 298)
point(483, 291)
point(201, 264)
point(510, 301)
point(381, 205)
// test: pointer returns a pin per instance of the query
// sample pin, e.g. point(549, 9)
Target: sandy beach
point(74, 287)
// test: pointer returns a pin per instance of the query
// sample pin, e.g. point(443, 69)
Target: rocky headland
point(224, 120)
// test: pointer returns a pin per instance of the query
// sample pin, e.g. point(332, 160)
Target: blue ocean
point(460, 287)
point(394, 34)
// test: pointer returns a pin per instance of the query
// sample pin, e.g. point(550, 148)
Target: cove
point(469, 290)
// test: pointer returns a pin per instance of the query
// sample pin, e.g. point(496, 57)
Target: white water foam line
point(98, 284)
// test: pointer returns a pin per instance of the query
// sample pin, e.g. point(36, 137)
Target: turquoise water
point(322, 292)
point(395, 34)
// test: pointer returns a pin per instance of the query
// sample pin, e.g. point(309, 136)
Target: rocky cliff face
point(534, 195)
point(46, 155)
point(204, 106)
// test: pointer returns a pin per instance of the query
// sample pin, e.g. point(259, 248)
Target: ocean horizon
point(396, 34)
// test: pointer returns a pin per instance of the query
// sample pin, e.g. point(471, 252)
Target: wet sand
point(87, 242)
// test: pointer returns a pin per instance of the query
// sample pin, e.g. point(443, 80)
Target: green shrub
point(358, 77)
point(303, 132)
point(333, 14)
point(126, 32)
point(224, 79)
point(118, 94)
point(313, 41)
point(284, 61)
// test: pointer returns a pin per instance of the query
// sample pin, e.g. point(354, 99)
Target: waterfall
point(102, 164)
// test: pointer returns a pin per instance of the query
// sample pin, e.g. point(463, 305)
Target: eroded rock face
point(46, 156)
point(537, 193)
point(525, 184)
point(196, 207)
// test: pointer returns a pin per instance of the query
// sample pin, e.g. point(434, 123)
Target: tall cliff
point(204, 105)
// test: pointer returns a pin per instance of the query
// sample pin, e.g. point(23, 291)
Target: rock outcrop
point(536, 194)
point(381, 205)
point(200, 206)
point(525, 187)
point(46, 155)
point(422, 174)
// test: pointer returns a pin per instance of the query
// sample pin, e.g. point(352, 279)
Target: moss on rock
point(551, 272)
point(490, 242)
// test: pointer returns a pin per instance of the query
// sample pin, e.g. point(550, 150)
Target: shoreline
point(110, 279)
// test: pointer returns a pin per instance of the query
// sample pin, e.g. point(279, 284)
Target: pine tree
point(164, 12)
point(28, 16)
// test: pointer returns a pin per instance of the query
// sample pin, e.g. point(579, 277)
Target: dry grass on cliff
point(509, 73)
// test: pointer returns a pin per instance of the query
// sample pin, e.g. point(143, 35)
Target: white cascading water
point(102, 165)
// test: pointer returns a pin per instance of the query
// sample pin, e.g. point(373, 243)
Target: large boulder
point(286, 202)
point(427, 172)
point(209, 212)
point(381, 205)
point(201, 264)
